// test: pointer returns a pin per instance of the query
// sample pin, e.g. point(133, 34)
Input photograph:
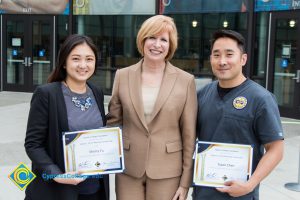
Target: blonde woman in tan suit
point(155, 103)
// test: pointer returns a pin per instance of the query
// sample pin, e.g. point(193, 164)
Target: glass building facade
point(31, 40)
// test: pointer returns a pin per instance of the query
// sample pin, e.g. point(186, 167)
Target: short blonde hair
point(155, 25)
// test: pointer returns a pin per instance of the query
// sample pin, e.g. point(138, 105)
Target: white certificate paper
point(97, 151)
point(216, 163)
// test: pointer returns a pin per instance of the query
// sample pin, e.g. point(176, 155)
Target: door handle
point(297, 78)
point(29, 63)
point(25, 62)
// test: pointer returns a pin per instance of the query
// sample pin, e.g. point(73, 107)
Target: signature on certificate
point(211, 175)
point(84, 164)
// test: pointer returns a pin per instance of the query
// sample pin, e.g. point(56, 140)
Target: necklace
point(84, 102)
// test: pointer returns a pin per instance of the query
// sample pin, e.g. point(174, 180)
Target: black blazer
point(43, 143)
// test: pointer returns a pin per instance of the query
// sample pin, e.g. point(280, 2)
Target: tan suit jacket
point(164, 147)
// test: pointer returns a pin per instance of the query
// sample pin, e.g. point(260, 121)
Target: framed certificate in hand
point(97, 151)
point(216, 163)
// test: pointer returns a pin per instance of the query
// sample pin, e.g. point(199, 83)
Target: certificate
point(216, 163)
point(97, 151)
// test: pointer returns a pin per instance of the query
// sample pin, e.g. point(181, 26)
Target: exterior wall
point(114, 27)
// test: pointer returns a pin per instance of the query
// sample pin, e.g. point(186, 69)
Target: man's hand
point(236, 188)
point(181, 193)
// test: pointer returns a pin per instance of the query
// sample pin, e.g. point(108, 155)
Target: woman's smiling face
point(156, 47)
point(80, 64)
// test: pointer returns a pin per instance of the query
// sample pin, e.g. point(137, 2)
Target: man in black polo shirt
point(236, 110)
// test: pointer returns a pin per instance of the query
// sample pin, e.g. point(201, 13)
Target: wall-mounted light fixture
point(225, 23)
point(292, 23)
point(194, 23)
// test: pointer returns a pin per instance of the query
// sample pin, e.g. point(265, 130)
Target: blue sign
point(14, 52)
point(42, 53)
point(269, 5)
point(284, 63)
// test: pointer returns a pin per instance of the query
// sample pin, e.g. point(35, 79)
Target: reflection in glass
point(260, 49)
point(285, 62)
point(125, 40)
point(41, 51)
point(193, 50)
point(62, 30)
point(15, 52)
point(99, 28)
point(115, 37)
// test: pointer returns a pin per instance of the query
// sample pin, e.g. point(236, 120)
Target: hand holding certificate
point(216, 163)
point(98, 151)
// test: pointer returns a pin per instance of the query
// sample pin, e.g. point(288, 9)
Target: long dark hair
point(59, 73)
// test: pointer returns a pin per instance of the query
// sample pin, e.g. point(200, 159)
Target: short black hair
point(229, 34)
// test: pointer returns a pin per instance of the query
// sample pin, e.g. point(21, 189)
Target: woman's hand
point(181, 193)
point(71, 178)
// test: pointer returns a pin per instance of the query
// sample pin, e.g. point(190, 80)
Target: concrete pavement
point(14, 107)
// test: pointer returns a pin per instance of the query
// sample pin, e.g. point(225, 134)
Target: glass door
point(28, 51)
point(42, 50)
point(285, 62)
point(14, 53)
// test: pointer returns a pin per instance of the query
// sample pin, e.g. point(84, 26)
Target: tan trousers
point(145, 188)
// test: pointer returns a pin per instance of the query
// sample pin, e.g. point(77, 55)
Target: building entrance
point(27, 51)
point(284, 76)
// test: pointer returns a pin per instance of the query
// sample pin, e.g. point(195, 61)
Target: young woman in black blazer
point(67, 103)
